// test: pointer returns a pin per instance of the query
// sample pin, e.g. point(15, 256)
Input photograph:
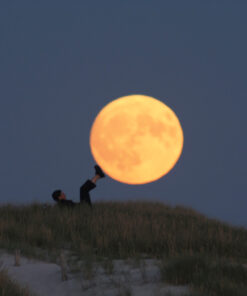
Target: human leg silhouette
point(89, 185)
point(84, 192)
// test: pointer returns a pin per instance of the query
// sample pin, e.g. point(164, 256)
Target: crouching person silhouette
point(60, 197)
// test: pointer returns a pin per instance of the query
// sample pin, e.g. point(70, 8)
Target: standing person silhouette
point(60, 197)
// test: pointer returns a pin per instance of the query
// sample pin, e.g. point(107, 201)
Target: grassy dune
point(10, 288)
point(136, 230)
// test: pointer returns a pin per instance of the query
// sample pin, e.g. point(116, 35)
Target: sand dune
point(44, 279)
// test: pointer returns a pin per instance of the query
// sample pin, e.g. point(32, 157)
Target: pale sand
point(44, 279)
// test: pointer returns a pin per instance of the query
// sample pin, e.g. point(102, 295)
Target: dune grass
point(131, 230)
point(120, 230)
point(8, 287)
point(208, 276)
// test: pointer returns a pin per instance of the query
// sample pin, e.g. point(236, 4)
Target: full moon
point(136, 139)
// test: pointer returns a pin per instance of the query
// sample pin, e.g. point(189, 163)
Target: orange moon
point(136, 139)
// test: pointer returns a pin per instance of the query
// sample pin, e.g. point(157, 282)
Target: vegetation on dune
point(192, 248)
point(121, 229)
point(208, 276)
point(9, 287)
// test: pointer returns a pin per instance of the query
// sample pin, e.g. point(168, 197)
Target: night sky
point(62, 61)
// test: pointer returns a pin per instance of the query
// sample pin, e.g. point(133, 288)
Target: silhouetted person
point(60, 197)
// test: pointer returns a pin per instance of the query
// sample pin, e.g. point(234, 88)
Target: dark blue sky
point(62, 61)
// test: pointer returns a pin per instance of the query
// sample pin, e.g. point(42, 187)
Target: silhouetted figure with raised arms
point(60, 197)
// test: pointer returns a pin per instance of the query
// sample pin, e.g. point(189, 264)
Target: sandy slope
point(44, 279)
